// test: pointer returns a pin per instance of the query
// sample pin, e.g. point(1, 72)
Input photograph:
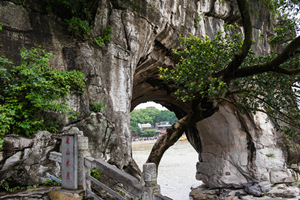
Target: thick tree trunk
point(177, 129)
point(168, 139)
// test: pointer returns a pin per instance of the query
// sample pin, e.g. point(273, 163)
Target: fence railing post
point(151, 187)
point(69, 161)
point(83, 151)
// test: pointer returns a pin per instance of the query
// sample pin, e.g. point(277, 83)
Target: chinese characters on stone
point(68, 159)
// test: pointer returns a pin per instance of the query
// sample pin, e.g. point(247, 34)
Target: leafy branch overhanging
point(211, 71)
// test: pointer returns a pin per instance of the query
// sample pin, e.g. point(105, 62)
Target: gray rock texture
point(232, 147)
point(237, 149)
point(258, 191)
point(27, 162)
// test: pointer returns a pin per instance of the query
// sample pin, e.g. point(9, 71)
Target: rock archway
point(233, 148)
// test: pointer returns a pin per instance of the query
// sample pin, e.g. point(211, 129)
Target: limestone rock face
point(256, 191)
point(237, 149)
point(99, 132)
point(232, 148)
point(14, 16)
point(26, 160)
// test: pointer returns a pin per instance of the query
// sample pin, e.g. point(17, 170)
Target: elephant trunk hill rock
point(233, 148)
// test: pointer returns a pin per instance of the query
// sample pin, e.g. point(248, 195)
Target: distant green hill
point(149, 115)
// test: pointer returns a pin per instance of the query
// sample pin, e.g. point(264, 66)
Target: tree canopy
point(225, 68)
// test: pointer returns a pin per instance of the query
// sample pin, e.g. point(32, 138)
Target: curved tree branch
point(239, 56)
point(176, 130)
point(168, 139)
point(274, 65)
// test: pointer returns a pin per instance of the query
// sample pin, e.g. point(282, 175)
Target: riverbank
point(177, 168)
point(141, 142)
point(144, 140)
point(146, 144)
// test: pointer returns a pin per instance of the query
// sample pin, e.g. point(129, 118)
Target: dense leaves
point(77, 13)
point(273, 93)
point(200, 60)
point(31, 88)
point(104, 38)
point(288, 23)
point(97, 107)
point(79, 27)
point(204, 64)
point(134, 128)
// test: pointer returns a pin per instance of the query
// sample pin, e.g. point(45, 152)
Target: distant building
point(145, 126)
point(163, 126)
point(151, 107)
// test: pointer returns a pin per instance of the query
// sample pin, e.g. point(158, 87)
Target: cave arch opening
point(178, 165)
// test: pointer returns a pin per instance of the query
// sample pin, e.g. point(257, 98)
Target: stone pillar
point(69, 161)
point(83, 151)
point(151, 187)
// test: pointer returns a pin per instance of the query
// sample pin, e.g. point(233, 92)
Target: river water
point(177, 169)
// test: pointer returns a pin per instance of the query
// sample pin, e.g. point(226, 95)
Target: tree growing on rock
point(226, 69)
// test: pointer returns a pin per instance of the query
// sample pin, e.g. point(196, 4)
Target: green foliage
point(144, 116)
point(149, 133)
point(5, 185)
point(77, 14)
point(79, 27)
point(197, 21)
point(105, 38)
point(0, 28)
point(96, 173)
point(197, 77)
point(97, 107)
point(151, 116)
point(6, 121)
point(166, 116)
point(51, 183)
point(121, 192)
point(288, 24)
point(33, 88)
point(22, 2)
point(277, 94)
point(134, 128)
point(201, 58)
point(297, 183)
point(270, 155)
point(32, 186)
